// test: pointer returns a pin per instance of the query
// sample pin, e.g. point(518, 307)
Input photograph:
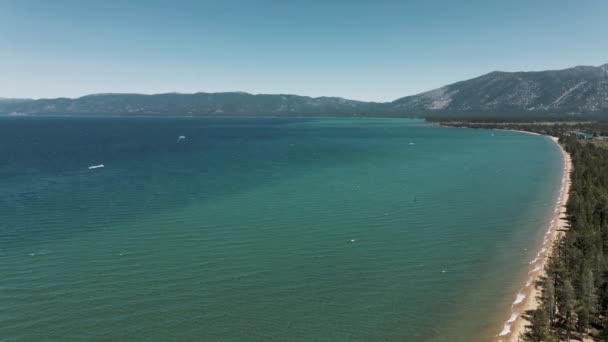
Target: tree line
point(573, 300)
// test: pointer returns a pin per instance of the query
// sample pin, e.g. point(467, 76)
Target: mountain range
point(578, 90)
point(581, 91)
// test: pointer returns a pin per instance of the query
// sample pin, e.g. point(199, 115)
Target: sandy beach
point(526, 297)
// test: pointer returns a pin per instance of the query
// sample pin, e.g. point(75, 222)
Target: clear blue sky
point(370, 50)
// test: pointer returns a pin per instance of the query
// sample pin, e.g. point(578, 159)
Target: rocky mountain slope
point(578, 90)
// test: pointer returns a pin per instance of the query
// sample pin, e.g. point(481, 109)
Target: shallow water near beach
point(266, 229)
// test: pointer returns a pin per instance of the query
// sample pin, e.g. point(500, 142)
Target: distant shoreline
point(516, 130)
point(526, 297)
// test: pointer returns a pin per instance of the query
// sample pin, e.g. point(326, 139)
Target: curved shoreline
point(526, 297)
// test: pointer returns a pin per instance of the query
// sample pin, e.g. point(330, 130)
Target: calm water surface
point(265, 229)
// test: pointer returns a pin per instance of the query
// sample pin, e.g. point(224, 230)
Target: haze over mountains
point(580, 91)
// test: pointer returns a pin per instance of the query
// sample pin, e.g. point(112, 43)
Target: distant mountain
point(7, 101)
point(578, 90)
point(233, 103)
point(582, 90)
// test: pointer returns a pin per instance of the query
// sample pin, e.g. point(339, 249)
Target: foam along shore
point(526, 297)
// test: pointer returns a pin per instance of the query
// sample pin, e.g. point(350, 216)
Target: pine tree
point(548, 298)
point(566, 304)
point(540, 328)
point(588, 302)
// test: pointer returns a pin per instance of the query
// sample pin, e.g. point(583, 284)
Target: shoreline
point(519, 131)
point(526, 297)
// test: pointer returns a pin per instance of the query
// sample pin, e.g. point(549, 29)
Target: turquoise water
point(265, 229)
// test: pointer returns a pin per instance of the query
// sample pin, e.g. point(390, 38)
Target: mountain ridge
point(580, 90)
point(223, 103)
